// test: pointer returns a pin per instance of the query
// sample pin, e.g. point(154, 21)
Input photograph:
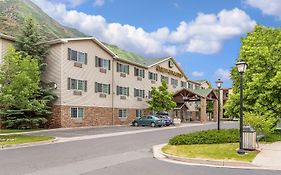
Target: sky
point(202, 35)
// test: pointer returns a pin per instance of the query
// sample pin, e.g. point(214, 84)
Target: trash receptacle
point(249, 138)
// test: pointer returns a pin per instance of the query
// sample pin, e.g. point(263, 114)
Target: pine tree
point(30, 42)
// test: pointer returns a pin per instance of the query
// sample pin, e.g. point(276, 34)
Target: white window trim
point(77, 117)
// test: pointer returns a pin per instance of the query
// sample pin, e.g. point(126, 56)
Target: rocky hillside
point(12, 13)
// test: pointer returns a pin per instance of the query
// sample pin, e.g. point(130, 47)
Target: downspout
point(112, 102)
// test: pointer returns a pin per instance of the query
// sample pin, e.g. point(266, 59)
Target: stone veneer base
point(93, 116)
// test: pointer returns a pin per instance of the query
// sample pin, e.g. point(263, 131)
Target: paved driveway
point(76, 132)
point(117, 155)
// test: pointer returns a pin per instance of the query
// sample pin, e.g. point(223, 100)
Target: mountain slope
point(13, 12)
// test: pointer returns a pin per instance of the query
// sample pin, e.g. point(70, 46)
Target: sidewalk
point(270, 156)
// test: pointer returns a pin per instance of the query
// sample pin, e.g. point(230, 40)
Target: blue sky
point(203, 35)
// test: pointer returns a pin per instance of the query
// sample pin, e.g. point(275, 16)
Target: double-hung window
point(197, 86)
point(122, 90)
point(164, 78)
point(123, 113)
point(152, 76)
point(183, 84)
point(75, 84)
point(102, 63)
point(174, 82)
point(139, 72)
point(124, 68)
point(77, 112)
point(80, 57)
point(102, 88)
point(138, 93)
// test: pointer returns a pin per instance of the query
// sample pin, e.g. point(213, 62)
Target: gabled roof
point(200, 92)
point(203, 81)
point(65, 40)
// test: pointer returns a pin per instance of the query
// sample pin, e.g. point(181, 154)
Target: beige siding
point(88, 72)
point(4, 44)
point(132, 82)
point(53, 71)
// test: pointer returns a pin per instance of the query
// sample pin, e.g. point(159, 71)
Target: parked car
point(167, 119)
point(149, 120)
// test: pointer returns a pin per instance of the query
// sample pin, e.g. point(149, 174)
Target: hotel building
point(101, 84)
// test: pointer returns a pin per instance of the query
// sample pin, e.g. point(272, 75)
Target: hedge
point(207, 137)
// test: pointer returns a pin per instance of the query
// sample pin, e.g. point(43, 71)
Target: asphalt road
point(118, 155)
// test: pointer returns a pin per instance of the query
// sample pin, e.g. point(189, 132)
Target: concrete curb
point(23, 145)
point(158, 154)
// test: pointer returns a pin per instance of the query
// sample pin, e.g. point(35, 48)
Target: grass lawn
point(18, 139)
point(16, 130)
point(210, 151)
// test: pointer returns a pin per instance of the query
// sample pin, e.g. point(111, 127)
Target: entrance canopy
point(184, 96)
point(189, 95)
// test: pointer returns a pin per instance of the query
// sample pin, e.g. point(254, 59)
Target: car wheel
point(153, 124)
point(136, 124)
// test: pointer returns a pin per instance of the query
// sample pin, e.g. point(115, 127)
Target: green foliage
point(272, 137)
point(19, 80)
point(262, 124)
point(261, 49)
point(30, 42)
point(13, 12)
point(162, 99)
point(210, 106)
point(207, 137)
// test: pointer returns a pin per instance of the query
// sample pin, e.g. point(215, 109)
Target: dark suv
point(165, 116)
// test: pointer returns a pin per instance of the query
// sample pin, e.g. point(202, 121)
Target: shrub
point(24, 122)
point(262, 124)
point(207, 137)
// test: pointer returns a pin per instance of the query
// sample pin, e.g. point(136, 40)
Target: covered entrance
point(192, 105)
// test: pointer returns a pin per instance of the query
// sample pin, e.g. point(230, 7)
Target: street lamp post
point(219, 83)
point(241, 67)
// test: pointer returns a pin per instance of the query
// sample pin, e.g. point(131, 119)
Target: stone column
point(203, 115)
point(193, 115)
point(215, 111)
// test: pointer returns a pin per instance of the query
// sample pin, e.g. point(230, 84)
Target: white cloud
point(197, 74)
point(99, 3)
point(205, 34)
point(268, 7)
point(223, 74)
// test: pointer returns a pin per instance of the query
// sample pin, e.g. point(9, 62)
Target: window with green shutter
point(77, 84)
point(139, 72)
point(139, 93)
point(152, 76)
point(102, 63)
point(102, 88)
point(124, 68)
point(80, 57)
